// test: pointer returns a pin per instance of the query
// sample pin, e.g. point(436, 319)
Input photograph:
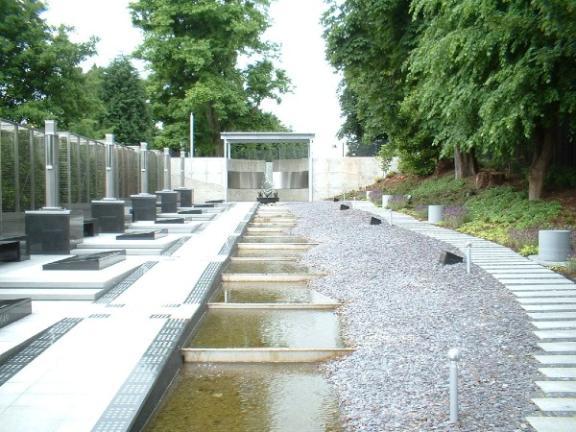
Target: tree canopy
point(40, 76)
point(470, 78)
point(196, 50)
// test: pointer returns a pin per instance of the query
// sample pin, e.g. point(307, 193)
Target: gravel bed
point(403, 311)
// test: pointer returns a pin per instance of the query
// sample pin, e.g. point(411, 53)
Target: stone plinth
point(109, 214)
point(186, 196)
point(143, 207)
point(48, 232)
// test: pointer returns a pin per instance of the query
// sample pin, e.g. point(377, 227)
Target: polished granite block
point(90, 227)
point(185, 196)
point(143, 235)
point(218, 201)
point(13, 248)
point(95, 261)
point(185, 212)
point(13, 310)
point(168, 201)
point(48, 232)
point(173, 220)
point(203, 205)
point(109, 214)
point(143, 207)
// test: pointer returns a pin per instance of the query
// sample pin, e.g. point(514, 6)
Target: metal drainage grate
point(240, 228)
point(203, 285)
point(155, 316)
point(17, 361)
point(125, 406)
point(100, 316)
point(175, 246)
point(126, 283)
point(228, 246)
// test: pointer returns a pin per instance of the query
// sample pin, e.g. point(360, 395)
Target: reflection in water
point(259, 329)
point(249, 398)
point(269, 295)
point(269, 239)
point(265, 267)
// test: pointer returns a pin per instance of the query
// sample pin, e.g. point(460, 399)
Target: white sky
point(313, 105)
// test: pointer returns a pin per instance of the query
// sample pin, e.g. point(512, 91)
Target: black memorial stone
point(192, 211)
point(218, 201)
point(143, 207)
point(344, 207)
point(143, 235)
point(13, 248)
point(95, 261)
point(375, 221)
point(185, 196)
point(168, 201)
point(90, 227)
point(48, 232)
point(203, 205)
point(267, 200)
point(448, 258)
point(174, 220)
point(336, 199)
point(13, 310)
point(109, 214)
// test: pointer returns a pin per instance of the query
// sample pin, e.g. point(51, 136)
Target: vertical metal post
point(51, 162)
point(167, 170)
point(33, 205)
point(17, 195)
point(390, 216)
point(143, 168)
point(468, 257)
point(110, 167)
point(182, 168)
point(454, 356)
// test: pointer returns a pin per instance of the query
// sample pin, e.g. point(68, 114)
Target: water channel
point(252, 363)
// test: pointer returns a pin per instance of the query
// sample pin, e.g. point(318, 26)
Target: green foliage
point(505, 207)
point(127, 111)
point(528, 250)
point(40, 77)
point(561, 178)
point(193, 48)
point(442, 189)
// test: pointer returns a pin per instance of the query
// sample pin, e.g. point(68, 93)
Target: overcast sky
point(312, 107)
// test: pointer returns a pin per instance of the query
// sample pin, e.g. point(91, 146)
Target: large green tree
point(369, 42)
point(496, 77)
point(127, 112)
point(40, 76)
point(195, 49)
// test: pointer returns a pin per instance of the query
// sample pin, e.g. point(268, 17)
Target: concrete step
point(560, 372)
point(556, 404)
point(548, 307)
point(548, 293)
point(535, 281)
point(564, 347)
point(556, 359)
point(543, 325)
point(553, 424)
point(547, 300)
point(557, 386)
point(555, 334)
point(543, 287)
point(552, 316)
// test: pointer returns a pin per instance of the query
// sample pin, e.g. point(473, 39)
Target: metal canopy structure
point(240, 138)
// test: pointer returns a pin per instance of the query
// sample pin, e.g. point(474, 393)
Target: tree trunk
point(214, 125)
point(465, 164)
point(540, 162)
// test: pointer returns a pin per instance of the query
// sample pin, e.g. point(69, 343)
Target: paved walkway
point(91, 365)
point(550, 302)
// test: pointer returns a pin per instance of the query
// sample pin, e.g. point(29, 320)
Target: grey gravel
point(402, 311)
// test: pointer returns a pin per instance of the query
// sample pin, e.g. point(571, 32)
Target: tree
point(127, 111)
point(496, 77)
point(194, 49)
point(370, 41)
point(40, 76)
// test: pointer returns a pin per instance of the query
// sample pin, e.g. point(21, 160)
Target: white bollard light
point(468, 257)
point(454, 356)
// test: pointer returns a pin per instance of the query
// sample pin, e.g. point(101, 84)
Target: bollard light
point(51, 163)
point(167, 170)
point(454, 356)
point(143, 168)
point(390, 216)
point(468, 257)
point(110, 167)
point(182, 168)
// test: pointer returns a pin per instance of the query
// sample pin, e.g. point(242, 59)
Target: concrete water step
point(548, 307)
point(536, 281)
point(553, 424)
point(274, 306)
point(516, 288)
point(548, 293)
point(261, 355)
point(555, 404)
point(547, 300)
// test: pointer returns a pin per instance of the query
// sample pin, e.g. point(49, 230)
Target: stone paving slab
point(533, 281)
point(564, 372)
point(558, 346)
point(555, 334)
point(553, 424)
point(516, 288)
point(554, 324)
point(557, 386)
point(556, 404)
point(552, 315)
point(556, 359)
point(547, 300)
point(548, 307)
point(548, 293)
